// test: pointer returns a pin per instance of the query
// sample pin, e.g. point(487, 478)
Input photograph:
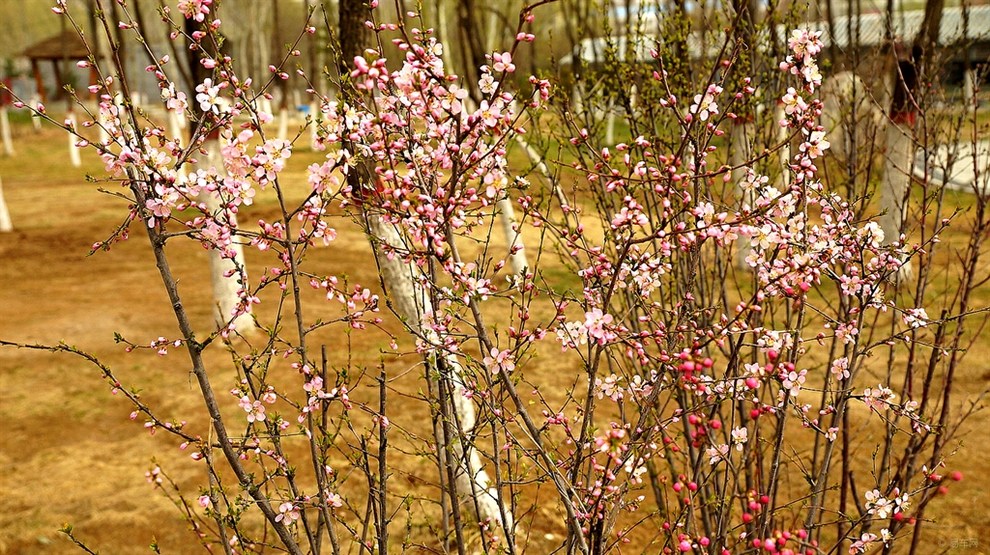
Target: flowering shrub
point(708, 411)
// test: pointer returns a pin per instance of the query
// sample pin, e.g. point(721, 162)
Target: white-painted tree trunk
point(610, 124)
point(176, 126)
point(118, 101)
point(411, 301)
point(103, 137)
point(513, 237)
point(35, 119)
point(537, 159)
point(315, 114)
point(265, 106)
point(226, 288)
point(6, 226)
point(895, 187)
point(896, 180)
point(969, 86)
point(449, 51)
point(577, 100)
point(740, 153)
point(283, 124)
point(507, 216)
point(70, 120)
point(850, 116)
point(783, 133)
point(5, 137)
point(492, 38)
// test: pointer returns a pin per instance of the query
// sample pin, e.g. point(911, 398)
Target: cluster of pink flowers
point(805, 45)
point(678, 373)
point(195, 9)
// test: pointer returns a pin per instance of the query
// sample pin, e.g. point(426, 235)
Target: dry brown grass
point(69, 453)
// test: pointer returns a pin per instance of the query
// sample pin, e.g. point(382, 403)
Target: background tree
point(630, 388)
point(228, 269)
point(6, 225)
point(414, 303)
point(912, 69)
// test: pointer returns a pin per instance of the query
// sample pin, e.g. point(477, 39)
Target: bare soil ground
point(70, 454)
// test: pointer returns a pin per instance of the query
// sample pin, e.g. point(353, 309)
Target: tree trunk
point(227, 276)
point(781, 137)
point(176, 124)
point(513, 237)
point(5, 224)
point(411, 301)
point(744, 126)
point(451, 55)
point(283, 86)
point(70, 120)
point(354, 36)
point(896, 179)
point(911, 71)
point(5, 138)
point(740, 136)
point(492, 35)
point(472, 48)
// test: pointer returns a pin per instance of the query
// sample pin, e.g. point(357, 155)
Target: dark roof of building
point(66, 45)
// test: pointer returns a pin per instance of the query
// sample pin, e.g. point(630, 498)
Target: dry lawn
point(69, 453)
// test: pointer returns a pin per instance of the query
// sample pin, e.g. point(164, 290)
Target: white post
point(5, 224)
point(8, 143)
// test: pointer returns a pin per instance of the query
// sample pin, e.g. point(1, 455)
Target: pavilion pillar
point(39, 83)
point(59, 81)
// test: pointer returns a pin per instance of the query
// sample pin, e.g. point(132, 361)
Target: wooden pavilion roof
point(67, 45)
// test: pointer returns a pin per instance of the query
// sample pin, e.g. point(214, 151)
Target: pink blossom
point(255, 409)
point(288, 513)
point(503, 62)
point(705, 105)
point(597, 324)
point(499, 361)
